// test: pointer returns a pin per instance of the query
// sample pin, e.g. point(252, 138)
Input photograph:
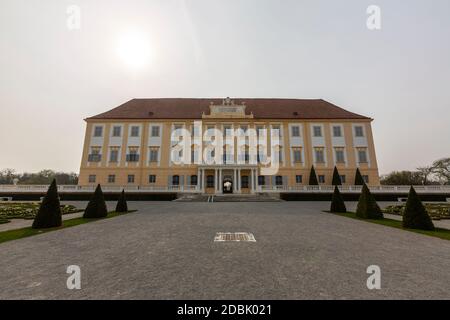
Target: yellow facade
point(355, 150)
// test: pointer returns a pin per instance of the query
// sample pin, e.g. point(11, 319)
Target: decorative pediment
point(228, 109)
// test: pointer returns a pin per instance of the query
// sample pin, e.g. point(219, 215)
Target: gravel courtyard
point(166, 251)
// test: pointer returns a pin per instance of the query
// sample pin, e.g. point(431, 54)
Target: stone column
point(234, 181)
point(202, 181)
point(239, 180)
point(198, 180)
point(220, 181)
point(252, 176)
point(216, 180)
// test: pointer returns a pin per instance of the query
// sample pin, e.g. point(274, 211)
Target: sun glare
point(133, 49)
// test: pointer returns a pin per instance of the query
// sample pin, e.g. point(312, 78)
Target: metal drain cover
point(234, 237)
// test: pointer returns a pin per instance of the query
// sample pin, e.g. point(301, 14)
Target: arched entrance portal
point(227, 185)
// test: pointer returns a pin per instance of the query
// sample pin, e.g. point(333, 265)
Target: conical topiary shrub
point(313, 177)
point(359, 181)
point(49, 214)
point(415, 215)
point(336, 178)
point(122, 203)
point(367, 206)
point(96, 207)
point(337, 202)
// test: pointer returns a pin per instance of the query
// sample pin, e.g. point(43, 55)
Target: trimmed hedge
point(122, 203)
point(49, 214)
point(367, 206)
point(337, 202)
point(415, 215)
point(336, 177)
point(313, 177)
point(96, 207)
point(359, 181)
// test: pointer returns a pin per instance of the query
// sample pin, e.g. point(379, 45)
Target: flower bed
point(437, 211)
point(27, 210)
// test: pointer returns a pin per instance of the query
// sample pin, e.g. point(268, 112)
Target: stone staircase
point(230, 198)
point(192, 198)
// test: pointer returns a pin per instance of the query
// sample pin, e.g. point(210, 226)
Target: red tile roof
point(182, 108)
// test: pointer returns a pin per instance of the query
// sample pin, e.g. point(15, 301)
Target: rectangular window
point(92, 178)
point(337, 132)
point(261, 180)
point(298, 179)
point(194, 180)
point(133, 156)
point(94, 158)
point(296, 131)
point(276, 130)
point(362, 155)
point(321, 178)
point(260, 156)
point(340, 157)
point(317, 131)
point(297, 155)
point(114, 155)
point(155, 131)
point(320, 156)
point(359, 131)
point(343, 178)
point(117, 131)
point(280, 155)
point(227, 131)
point(195, 131)
point(112, 178)
point(153, 155)
point(244, 182)
point(131, 178)
point(366, 179)
point(134, 131)
point(98, 131)
point(152, 178)
point(210, 130)
point(95, 155)
point(210, 181)
point(259, 130)
point(279, 180)
point(227, 158)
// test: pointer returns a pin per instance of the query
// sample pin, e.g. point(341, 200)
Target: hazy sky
point(51, 78)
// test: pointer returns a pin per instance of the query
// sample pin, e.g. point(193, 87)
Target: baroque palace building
point(226, 146)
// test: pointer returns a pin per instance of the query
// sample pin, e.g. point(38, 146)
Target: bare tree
point(441, 168)
point(425, 173)
point(7, 176)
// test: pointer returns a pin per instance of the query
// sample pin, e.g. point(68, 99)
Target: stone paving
point(166, 250)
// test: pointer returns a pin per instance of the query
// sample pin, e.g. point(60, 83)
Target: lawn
point(437, 211)
point(27, 232)
point(27, 210)
point(438, 233)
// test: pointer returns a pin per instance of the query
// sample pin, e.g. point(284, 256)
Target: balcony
point(132, 157)
point(94, 158)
